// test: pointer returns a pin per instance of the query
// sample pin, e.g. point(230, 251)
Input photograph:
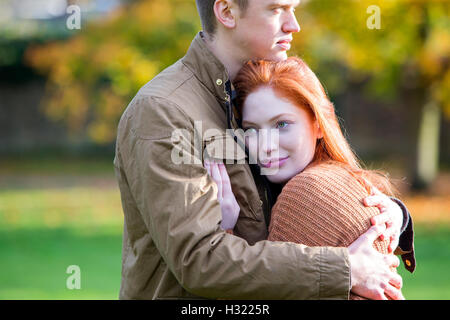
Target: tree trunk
point(427, 164)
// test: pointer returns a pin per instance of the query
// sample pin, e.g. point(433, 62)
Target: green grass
point(431, 280)
point(53, 215)
point(34, 263)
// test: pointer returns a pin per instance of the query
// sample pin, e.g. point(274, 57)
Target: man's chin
point(280, 56)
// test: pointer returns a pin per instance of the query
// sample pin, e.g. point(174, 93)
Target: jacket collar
point(207, 68)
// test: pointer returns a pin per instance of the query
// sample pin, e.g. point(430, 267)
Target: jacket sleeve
point(406, 242)
point(178, 202)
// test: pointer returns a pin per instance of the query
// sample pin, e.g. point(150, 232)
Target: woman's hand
point(228, 204)
point(390, 214)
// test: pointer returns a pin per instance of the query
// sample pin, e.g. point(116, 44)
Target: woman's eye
point(282, 125)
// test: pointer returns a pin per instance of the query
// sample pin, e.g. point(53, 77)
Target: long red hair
point(294, 80)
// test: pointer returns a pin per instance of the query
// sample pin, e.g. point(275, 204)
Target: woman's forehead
point(264, 104)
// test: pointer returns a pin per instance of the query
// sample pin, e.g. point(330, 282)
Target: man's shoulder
point(167, 82)
point(156, 109)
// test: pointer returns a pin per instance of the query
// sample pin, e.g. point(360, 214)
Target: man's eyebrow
point(283, 4)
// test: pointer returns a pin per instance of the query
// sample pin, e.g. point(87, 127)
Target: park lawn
point(35, 261)
point(431, 280)
point(34, 264)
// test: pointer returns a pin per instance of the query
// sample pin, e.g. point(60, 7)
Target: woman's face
point(280, 135)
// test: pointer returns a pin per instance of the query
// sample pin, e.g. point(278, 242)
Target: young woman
point(292, 130)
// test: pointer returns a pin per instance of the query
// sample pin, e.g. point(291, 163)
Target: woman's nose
point(268, 142)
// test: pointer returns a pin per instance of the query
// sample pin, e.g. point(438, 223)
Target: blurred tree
point(93, 75)
point(404, 58)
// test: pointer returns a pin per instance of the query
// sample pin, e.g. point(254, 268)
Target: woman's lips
point(278, 163)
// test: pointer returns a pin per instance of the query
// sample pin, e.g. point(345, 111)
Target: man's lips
point(285, 44)
point(273, 163)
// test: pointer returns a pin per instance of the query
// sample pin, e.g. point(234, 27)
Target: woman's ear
point(226, 12)
point(319, 133)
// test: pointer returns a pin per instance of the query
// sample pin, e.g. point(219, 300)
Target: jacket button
point(408, 263)
point(219, 82)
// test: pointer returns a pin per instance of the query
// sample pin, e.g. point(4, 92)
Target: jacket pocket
point(223, 147)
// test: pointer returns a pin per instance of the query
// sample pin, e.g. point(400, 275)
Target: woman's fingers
point(207, 166)
point(215, 173)
point(226, 184)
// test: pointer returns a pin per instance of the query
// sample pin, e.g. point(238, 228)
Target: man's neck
point(225, 54)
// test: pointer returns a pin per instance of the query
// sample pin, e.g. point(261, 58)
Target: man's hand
point(390, 214)
point(371, 273)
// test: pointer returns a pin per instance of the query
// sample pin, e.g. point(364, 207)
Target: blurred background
point(67, 73)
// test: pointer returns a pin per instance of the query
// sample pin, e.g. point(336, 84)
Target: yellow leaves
point(129, 70)
point(153, 12)
point(101, 132)
point(436, 50)
point(93, 75)
point(143, 71)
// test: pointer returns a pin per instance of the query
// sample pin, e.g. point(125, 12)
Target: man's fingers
point(392, 261)
point(381, 218)
point(380, 201)
point(374, 232)
point(375, 191)
point(393, 242)
point(384, 219)
point(396, 281)
point(393, 293)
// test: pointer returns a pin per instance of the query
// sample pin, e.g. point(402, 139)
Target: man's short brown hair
point(207, 16)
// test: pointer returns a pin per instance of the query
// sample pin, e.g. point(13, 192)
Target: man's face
point(265, 30)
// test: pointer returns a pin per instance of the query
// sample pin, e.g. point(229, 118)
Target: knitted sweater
point(322, 206)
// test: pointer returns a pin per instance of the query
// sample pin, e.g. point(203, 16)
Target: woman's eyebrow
point(272, 119)
point(281, 115)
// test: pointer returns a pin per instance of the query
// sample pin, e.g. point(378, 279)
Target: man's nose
point(291, 25)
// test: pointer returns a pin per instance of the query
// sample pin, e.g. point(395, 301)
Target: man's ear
point(226, 12)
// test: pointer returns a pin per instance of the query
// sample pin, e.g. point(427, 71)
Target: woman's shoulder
point(325, 174)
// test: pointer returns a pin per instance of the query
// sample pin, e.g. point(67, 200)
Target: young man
point(173, 246)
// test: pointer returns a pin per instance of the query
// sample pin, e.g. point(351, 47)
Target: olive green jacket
point(173, 246)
